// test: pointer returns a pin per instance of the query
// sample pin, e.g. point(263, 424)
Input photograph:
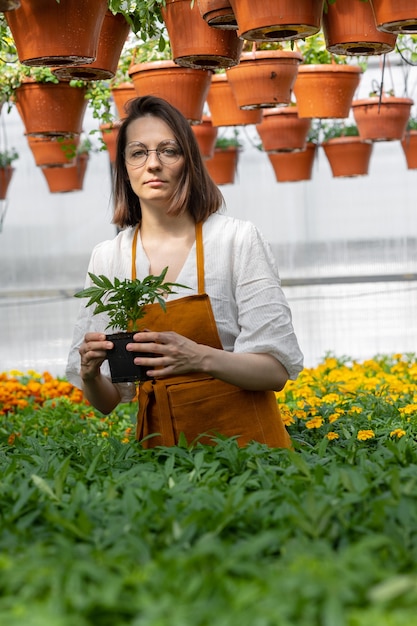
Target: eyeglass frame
point(157, 150)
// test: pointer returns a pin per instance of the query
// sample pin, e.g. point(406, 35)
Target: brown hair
point(196, 192)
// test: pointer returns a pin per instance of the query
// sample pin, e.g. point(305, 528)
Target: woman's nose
point(153, 159)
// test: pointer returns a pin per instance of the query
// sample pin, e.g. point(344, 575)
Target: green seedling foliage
point(124, 300)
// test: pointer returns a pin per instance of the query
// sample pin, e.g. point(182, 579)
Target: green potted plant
point(70, 177)
point(223, 164)
point(153, 72)
point(282, 130)
point(124, 303)
point(7, 157)
point(266, 74)
point(349, 28)
point(382, 116)
point(277, 19)
point(409, 143)
point(348, 154)
point(325, 83)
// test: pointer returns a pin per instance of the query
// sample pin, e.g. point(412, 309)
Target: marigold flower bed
point(96, 531)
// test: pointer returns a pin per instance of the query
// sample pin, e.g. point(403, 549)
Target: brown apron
point(196, 404)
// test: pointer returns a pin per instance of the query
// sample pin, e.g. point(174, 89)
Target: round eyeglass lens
point(137, 153)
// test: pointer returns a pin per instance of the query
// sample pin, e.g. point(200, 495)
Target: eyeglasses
point(168, 152)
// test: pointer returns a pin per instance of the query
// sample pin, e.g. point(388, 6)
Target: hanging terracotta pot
point(122, 94)
point(51, 108)
point(223, 106)
point(395, 16)
point(206, 135)
point(194, 43)
point(62, 179)
point(6, 174)
point(218, 14)
point(326, 91)
point(277, 20)
point(348, 156)
point(281, 130)
point(264, 78)
point(57, 33)
point(382, 119)
point(113, 35)
point(185, 88)
point(109, 134)
point(293, 166)
point(409, 146)
point(349, 28)
point(223, 165)
point(9, 5)
point(48, 151)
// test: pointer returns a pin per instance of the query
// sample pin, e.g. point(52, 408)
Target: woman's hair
point(195, 192)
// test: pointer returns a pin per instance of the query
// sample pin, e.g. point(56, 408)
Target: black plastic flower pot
point(122, 367)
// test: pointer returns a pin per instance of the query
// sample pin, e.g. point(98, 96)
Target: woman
point(223, 350)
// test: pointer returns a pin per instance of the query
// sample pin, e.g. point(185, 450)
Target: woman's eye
point(169, 152)
point(138, 153)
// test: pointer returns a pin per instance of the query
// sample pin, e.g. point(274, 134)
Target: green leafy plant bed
point(96, 530)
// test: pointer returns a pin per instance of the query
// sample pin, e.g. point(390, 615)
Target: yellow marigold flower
point(301, 415)
point(316, 422)
point(409, 409)
point(363, 435)
point(356, 409)
point(125, 440)
point(332, 435)
point(16, 373)
point(333, 417)
point(286, 415)
point(330, 398)
point(104, 433)
point(398, 432)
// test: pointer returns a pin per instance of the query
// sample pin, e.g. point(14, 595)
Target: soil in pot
point(122, 367)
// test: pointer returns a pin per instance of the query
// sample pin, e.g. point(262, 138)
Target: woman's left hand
point(175, 353)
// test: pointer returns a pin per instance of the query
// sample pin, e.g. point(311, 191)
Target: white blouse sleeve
point(264, 316)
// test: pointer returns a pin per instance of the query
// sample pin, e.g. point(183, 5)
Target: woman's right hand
point(93, 351)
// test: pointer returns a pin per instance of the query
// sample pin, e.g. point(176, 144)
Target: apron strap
point(199, 254)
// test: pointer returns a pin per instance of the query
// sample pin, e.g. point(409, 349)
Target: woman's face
point(153, 175)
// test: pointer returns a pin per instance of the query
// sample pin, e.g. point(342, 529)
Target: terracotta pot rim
point(384, 100)
point(111, 125)
point(30, 82)
point(150, 66)
point(124, 85)
point(349, 139)
point(285, 110)
point(270, 54)
point(219, 78)
point(330, 68)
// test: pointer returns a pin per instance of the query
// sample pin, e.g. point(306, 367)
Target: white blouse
point(241, 279)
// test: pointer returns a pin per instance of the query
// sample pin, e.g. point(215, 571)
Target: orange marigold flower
point(104, 433)
point(363, 435)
